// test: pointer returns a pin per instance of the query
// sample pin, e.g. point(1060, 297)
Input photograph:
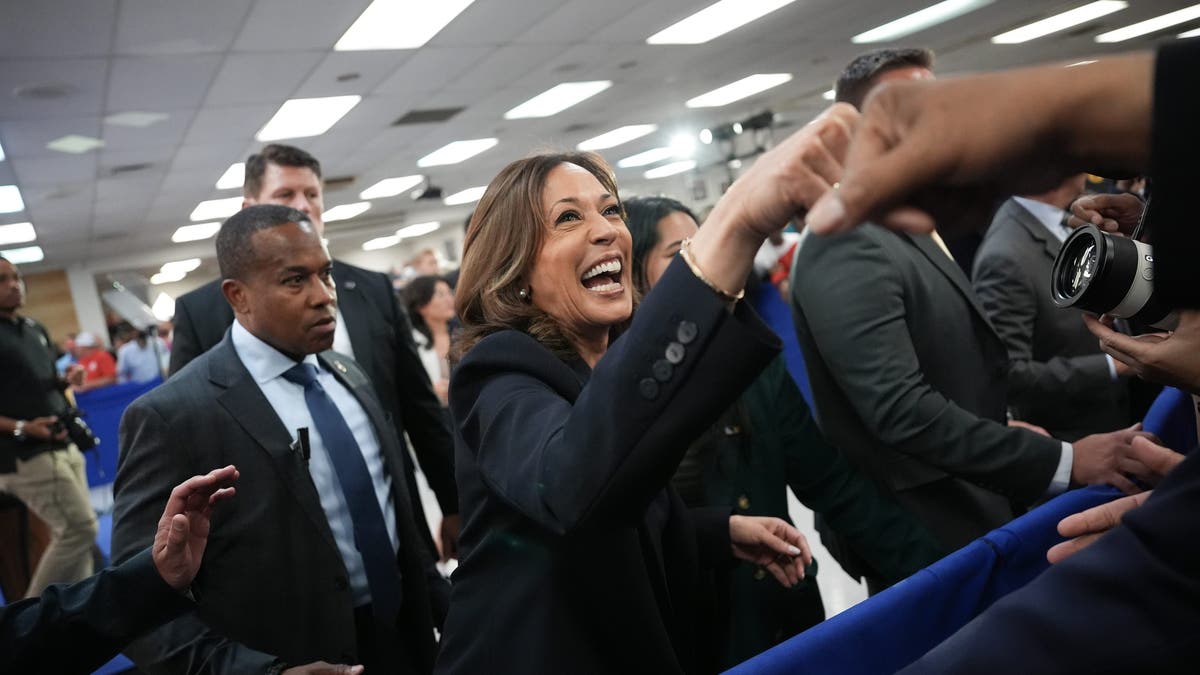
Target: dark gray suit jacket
point(909, 378)
point(273, 583)
point(381, 335)
point(1058, 377)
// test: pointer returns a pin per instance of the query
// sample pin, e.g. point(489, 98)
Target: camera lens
point(1106, 274)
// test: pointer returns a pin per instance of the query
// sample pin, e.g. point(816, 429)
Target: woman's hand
point(772, 544)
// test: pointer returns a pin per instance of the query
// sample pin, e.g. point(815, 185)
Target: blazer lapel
point(354, 313)
point(1050, 244)
point(949, 269)
point(245, 403)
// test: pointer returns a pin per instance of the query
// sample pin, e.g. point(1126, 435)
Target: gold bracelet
point(686, 254)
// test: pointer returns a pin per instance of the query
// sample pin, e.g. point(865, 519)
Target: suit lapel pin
point(340, 366)
point(349, 285)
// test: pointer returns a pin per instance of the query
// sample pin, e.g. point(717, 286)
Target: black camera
point(1110, 274)
point(71, 421)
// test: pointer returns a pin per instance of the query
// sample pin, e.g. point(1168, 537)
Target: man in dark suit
point(373, 330)
point(76, 628)
point(325, 564)
point(909, 378)
point(1058, 377)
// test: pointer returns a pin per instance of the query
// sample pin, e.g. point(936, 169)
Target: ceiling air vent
point(338, 182)
point(427, 116)
point(129, 168)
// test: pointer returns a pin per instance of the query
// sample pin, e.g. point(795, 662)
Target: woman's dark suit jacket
point(575, 557)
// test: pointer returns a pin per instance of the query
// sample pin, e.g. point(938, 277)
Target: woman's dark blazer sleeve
point(569, 457)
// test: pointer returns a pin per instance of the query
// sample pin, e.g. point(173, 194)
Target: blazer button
point(662, 370)
point(759, 575)
point(675, 353)
point(732, 430)
point(743, 502)
point(648, 389)
point(686, 332)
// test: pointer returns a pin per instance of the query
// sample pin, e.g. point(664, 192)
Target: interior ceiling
point(219, 69)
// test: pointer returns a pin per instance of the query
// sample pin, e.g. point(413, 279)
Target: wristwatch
point(19, 430)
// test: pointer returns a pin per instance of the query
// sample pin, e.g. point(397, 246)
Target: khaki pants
point(54, 486)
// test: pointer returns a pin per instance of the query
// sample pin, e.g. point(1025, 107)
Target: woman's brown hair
point(503, 239)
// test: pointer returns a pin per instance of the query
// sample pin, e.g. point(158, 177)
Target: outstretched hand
point(1170, 358)
point(183, 529)
point(772, 544)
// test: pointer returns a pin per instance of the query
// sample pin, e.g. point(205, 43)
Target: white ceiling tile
point(160, 83)
point(28, 138)
point(81, 81)
point(56, 28)
point(260, 77)
point(232, 125)
point(158, 27)
point(431, 68)
point(369, 67)
point(487, 22)
point(285, 25)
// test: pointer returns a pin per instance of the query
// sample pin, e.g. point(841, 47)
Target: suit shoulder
point(510, 350)
point(361, 275)
point(202, 294)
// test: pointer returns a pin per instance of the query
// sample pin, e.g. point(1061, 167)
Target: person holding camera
point(38, 462)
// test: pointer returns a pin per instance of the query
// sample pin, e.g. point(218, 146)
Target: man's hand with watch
point(38, 428)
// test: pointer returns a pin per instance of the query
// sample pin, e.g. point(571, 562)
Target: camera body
point(71, 421)
point(1108, 274)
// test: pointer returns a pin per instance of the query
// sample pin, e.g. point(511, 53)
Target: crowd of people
point(609, 428)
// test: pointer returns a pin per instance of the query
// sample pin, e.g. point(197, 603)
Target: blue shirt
point(267, 366)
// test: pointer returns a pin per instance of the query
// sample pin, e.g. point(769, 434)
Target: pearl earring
point(523, 293)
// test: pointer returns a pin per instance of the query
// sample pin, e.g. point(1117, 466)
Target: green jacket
point(765, 443)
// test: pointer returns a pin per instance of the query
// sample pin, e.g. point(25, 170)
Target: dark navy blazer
point(575, 555)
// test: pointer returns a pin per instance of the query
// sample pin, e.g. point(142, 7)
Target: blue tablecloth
point(1173, 420)
point(890, 630)
point(102, 411)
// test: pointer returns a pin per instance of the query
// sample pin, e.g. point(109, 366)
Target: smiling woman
point(572, 411)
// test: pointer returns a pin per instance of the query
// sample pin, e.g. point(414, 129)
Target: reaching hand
point(76, 375)
point(940, 151)
point(183, 529)
point(1118, 213)
point(1107, 458)
point(1085, 527)
point(322, 668)
point(1166, 358)
point(772, 544)
point(42, 428)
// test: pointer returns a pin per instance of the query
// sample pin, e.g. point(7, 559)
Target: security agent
point(38, 462)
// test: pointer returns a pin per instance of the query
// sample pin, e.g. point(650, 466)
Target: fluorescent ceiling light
point(1, 153)
point(919, 20)
point(167, 277)
point(195, 232)
point(215, 209)
point(557, 99)
point(390, 187)
point(20, 256)
point(1189, 34)
point(380, 242)
point(136, 118)
point(829, 95)
point(234, 177)
point(1080, 63)
point(345, 211)
point(736, 91)
point(163, 308)
point(75, 144)
point(715, 20)
point(417, 229)
point(648, 157)
point(1151, 25)
point(10, 199)
point(1060, 22)
point(17, 233)
point(670, 169)
point(683, 145)
point(184, 266)
point(468, 196)
point(399, 24)
point(304, 117)
point(458, 151)
point(612, 139)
